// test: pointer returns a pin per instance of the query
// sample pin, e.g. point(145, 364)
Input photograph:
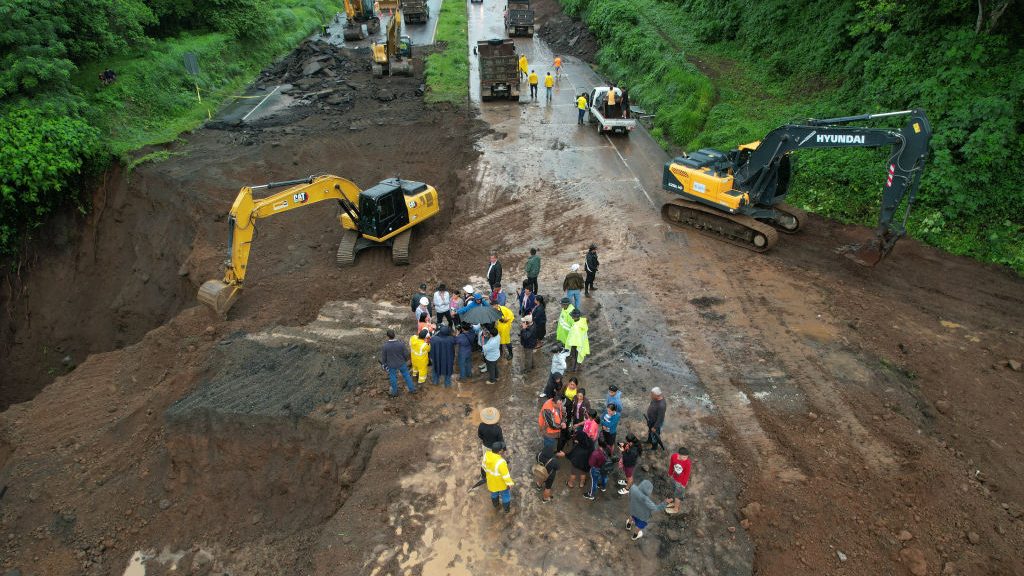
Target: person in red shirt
point(679, 471)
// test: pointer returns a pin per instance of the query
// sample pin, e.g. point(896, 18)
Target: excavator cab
point(382, 207)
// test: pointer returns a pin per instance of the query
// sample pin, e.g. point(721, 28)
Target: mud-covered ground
point(842, 420)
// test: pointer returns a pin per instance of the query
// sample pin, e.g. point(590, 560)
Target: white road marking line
point(628, 167)
point(261, 103)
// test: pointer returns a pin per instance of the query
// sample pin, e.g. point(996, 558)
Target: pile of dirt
point(563, 34)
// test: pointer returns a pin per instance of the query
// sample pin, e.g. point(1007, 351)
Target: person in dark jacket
point(549, 459)
point(579, 457)
point(529, 341)
point(540, 321)
point(494, 272)
point(527, 300)
point(489, 430)
point(415, 302)
point(464, 341)
point(394, 357)
point(631, 451)
point(598, 472)
point(442, 355)
point(533, 270)
point(554, 386)
point(655, 418)
point(590, 267)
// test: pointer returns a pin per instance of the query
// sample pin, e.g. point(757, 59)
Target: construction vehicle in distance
point(361, 20)
point(739, 196)
point(388, 5)
point(415, 11)
point(383, 215)
point(393, 56)
point(518, 18)
point(499, 69)
point(609, 118)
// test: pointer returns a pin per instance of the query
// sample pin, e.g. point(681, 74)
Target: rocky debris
point(842, 557)
point(973, 537)
point(165, 504)
point(942, 406)
point(949, 568)
point(904, 536)
point(385, 95)
point(915, 561)
point(751, 511)
point(1014, 365)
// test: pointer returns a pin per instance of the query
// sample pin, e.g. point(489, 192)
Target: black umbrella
point(481, 314)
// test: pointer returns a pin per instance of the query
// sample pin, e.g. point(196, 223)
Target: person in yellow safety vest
point(419, 349)
point(504, 326)
point(549, 83)
point(578, 341)
point(611, 101)
point(524, 67)
point(565, 321)
point(533, 84)
point(581, 106)
point(499, 482)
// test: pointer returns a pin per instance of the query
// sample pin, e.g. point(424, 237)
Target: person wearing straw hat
point(489, 431)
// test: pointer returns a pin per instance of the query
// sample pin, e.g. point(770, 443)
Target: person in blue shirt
point(610, 425)
point(464, 343)
point(491, 346)
point(615, 397)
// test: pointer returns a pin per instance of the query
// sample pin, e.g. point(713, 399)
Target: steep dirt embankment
point(96, 283)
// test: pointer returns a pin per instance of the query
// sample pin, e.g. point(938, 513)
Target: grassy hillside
point(59, 124)
point(719, 73)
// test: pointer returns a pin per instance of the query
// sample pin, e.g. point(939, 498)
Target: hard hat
point(468, 288)
point(575, 267)
point(424, 301)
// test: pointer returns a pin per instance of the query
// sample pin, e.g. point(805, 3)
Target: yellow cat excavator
point(393, 56)
point(383, 215)
point(739, 196)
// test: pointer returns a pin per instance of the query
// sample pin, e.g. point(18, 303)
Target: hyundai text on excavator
point(383, 215)
point(739, 196)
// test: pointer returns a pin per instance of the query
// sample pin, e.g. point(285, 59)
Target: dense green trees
point(776, 61)
point(57, 125)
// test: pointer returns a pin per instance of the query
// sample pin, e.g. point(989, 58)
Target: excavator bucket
point(871, 252)
point(218, 295)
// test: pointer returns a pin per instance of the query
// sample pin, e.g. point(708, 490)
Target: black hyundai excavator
point(739, 196)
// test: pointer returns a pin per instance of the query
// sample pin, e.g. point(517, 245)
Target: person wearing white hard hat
point(416, 298)
point(572, 285)
point(422, 308)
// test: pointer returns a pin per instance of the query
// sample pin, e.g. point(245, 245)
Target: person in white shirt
point(442, 305)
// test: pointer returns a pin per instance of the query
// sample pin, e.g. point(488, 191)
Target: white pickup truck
point(612, 119)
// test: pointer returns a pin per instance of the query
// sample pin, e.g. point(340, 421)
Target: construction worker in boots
point(499, 482)
point(549, 84)
point(565, 320)
point(419, 350)
point(524, 67)
point(533, 84)
point(578, 341)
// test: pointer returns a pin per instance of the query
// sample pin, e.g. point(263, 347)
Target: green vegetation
point(723, 72)
point(59, 125)
point(447, 71)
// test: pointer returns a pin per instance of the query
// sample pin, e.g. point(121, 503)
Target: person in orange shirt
point(558, 66)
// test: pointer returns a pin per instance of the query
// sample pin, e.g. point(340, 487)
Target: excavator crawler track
point(347, 248)
point(400, 248)
point(732, 228)
point(794, 226)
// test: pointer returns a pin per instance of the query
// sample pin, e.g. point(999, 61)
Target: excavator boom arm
point(906, 163)
point(246, 211)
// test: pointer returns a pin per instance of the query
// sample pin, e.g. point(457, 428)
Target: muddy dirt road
point(842, 420)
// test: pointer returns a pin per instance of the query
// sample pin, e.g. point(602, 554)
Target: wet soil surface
point(842, 420)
